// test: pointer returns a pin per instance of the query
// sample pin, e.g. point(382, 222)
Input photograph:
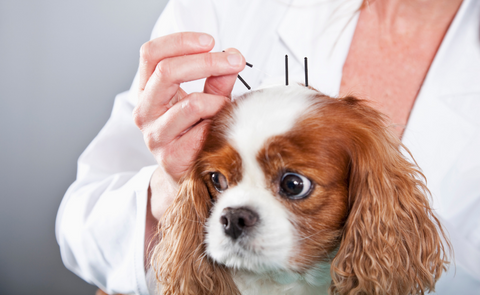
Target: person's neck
point(407, 17)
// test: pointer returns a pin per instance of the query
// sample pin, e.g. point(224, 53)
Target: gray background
point(61, 64)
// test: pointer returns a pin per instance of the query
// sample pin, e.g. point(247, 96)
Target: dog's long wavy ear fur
point(179, 259)
point(392, 241)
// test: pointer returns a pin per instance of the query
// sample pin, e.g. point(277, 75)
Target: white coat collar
point(449, 100)
point(321, 30)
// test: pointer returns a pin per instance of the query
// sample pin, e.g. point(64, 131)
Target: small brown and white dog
point(297, 193)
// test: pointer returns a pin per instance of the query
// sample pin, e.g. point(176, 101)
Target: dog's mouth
point(235, 235)
point(244, 253)
point(251, 250)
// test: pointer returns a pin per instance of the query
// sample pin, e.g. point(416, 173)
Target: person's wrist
point(163, 190)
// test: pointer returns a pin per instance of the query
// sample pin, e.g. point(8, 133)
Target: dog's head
point(289, 179)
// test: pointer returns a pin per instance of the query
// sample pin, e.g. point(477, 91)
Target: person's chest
point(387, 66)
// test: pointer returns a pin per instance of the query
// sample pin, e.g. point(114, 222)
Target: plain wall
point(61, 65)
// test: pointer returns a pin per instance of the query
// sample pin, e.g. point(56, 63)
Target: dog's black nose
point(236, 221)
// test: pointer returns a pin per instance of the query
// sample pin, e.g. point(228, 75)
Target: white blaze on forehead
point(270, 112)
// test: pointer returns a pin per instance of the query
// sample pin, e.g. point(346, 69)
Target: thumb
point(221, 85)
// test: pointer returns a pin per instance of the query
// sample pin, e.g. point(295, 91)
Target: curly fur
point(392, 242)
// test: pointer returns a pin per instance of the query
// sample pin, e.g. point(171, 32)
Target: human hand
point(173, 122)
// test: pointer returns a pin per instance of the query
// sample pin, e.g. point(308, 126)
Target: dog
point(295, 192)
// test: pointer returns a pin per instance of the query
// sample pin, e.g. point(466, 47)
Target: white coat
point(101, 221)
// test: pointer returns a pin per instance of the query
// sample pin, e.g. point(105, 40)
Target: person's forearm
point(161, 192)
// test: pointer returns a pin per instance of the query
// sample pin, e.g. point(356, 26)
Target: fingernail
point(234, 59)
point(205, 39)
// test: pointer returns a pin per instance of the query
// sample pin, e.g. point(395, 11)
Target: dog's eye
point(295, 186)
point(219, 181)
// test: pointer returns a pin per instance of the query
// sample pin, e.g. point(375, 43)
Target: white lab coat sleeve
point(100, 225)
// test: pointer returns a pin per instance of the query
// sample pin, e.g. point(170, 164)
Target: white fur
point(261, 260)
point(316, 281)
point(273, 111)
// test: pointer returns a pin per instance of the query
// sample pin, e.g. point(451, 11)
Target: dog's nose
point(236, 220)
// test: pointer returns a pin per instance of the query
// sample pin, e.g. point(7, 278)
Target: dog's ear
point(392, 242)
point(179, 259)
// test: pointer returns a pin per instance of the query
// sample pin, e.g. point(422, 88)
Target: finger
point(221, 85)
point(178, 97)
point(178, 44)
point(182, 116)
point(171, 72)
point(143, 114)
